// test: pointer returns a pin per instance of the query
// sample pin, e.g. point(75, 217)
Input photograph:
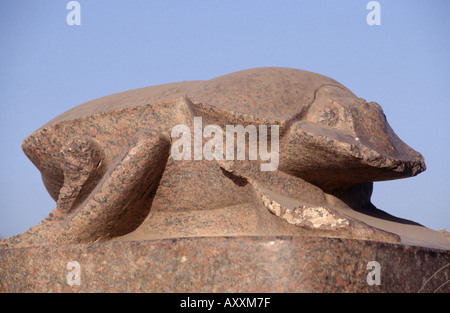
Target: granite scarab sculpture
point(108, 163)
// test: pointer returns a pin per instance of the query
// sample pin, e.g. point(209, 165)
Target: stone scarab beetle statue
point(110, 166)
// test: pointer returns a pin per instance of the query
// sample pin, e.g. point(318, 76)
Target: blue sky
point(48, 67)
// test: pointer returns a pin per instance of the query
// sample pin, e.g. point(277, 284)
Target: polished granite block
point(227, 264)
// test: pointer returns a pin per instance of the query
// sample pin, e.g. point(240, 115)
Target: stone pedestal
point(227, 264)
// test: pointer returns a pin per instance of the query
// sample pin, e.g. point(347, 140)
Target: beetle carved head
point(341, 140)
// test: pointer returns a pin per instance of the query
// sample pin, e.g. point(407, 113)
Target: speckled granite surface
point(227, 264)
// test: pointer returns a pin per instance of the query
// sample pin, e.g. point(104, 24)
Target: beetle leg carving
point(114, 207)
point(82, 164)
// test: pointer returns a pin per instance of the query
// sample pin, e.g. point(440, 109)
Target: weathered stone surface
point(110, 167)
point(227, 264)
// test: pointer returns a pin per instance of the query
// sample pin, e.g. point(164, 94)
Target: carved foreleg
point(113, 206)
point(82, 164)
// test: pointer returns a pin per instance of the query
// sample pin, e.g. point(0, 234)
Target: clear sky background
point(48, 67)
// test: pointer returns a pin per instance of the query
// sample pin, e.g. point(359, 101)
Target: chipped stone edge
point(304, 216)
